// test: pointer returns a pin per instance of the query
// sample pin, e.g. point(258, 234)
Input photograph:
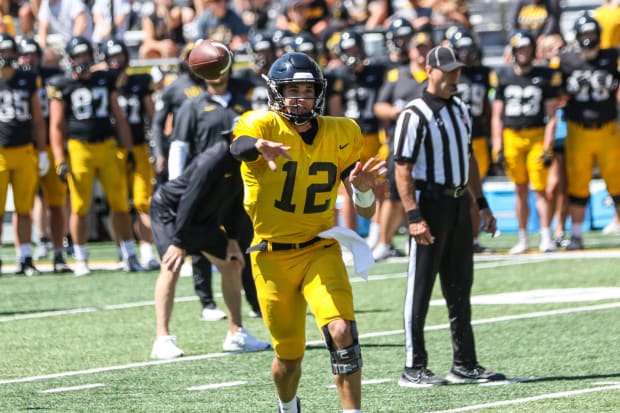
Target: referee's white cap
point(444, 59)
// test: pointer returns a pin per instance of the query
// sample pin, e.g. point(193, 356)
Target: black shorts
point(207, 238)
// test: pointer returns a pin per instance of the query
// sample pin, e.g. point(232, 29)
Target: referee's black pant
point(451, 255)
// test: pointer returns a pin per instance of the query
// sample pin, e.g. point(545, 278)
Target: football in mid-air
point(210, 59)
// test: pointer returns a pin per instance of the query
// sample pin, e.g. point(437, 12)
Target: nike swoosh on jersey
point(343, 146)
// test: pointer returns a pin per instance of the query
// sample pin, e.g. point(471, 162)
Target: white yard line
point(309, 343)
point(547, 396)
point(217, 385)
point(72, 388)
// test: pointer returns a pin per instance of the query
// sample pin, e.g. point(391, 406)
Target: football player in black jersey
point(185, 86)
point(54, 192)
point(135, 98)
point(591, 81)
point(397, 37)
point(262, 54)
point(401, 85)
point(473, 88)
point(522, 129)
point(81, 107)
point(360, 79)
point(22, 135)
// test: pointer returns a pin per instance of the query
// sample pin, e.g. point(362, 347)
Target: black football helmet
point(282, 39)
point(8, 47)
point(78, 45)
point(521, 39)
point(305, 42)
point(464, 44)
point(351, 48)
point(587, 31)
point(113, 47)
point(263, 49)
point(295, 68)
point(398, 34)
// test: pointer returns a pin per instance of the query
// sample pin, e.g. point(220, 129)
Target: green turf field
point(550, 322)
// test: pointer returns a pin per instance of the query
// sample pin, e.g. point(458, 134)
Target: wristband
point(414, 216)
point(363, 199)
point(482, 203)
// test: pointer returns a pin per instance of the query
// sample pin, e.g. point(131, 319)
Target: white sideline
point(309, 343)
point(528, 399)
point(217, 385)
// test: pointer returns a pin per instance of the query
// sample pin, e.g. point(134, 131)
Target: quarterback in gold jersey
point(293, 162)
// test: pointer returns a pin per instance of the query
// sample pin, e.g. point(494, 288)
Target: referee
point(434, 170)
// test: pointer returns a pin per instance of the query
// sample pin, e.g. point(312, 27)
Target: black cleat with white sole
point(473, 374)
point(421, 377)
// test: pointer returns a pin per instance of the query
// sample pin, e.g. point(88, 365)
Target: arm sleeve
point(243, 149)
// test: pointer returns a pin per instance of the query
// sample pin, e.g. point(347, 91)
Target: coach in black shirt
point(434, 171)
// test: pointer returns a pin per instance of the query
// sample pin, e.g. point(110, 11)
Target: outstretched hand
point(271, 150)
point(369, 175)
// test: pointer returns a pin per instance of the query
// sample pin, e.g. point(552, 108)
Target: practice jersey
point(15, 114)
point(591, 86)
point(296, 202)
point(524, 95)
point(473, 89)
point(360, 94)
point(132, 91)
point(201, 121)
point(46, 73)
point(87, 105)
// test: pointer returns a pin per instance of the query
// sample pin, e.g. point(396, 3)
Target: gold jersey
point(296, 202)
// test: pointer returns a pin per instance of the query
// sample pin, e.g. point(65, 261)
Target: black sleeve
point(184, 129)
point(243, 148)
point(159, 120)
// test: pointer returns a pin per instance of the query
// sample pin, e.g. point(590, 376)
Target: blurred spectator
point(421, 17)
point(64, 17)
point(304, 15)
point(369, 14)
point(27, 13)
point(163, 29)
point(608, 17)
point(537, 17)
point(397, 37)
point(104, 27)
point(259, 15)
point(453, 12)
point(222, 23)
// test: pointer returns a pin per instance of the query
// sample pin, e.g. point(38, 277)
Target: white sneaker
point(519, 248)
point(546, 246)
point(165, 348)
point(381, 252)
point(81, 268)
point(613, 228)
point(212, 314)
point(243, 341)
point(41, 251)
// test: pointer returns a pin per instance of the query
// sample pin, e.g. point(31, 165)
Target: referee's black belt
point(265, 245)
point(445, 190)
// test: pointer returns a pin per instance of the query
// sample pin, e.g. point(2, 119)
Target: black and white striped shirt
point(435, 135)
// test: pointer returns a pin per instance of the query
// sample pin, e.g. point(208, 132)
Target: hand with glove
point(546, 157)
point(498, 159)
point(63, 170)
point(131, 161)
point(44, 163)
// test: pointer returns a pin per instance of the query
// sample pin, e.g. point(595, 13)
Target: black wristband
point(482, 203)
point(414, 216)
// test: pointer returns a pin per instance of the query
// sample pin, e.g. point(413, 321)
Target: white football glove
point(44, 163)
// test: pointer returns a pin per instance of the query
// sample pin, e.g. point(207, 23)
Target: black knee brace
point(344, 360)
